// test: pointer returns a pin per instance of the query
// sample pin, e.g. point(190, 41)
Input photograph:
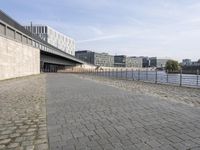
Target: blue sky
point(162, 28)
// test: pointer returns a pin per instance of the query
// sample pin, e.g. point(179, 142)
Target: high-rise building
point(53, 37)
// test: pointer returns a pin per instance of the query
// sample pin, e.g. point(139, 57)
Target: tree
point(172, 65)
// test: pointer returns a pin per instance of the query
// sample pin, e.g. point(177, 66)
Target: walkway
point(84, 115)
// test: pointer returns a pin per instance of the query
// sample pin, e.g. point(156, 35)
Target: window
point(18, 36)
point(10, 33)
point(2, 29)
point(29, 41)
point(45, 30)
point(24, 39)
point(33, 43)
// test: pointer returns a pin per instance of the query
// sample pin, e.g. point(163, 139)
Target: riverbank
point(189, 96)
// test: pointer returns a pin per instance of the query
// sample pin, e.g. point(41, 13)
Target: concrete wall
point(17, 59)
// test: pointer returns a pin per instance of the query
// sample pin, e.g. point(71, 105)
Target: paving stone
point(13, 145)
point(87, 114)
point(22, 104)
point(5, 141)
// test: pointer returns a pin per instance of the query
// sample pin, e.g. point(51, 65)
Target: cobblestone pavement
point(23, 114)
point(85, 115)
point(190, 96)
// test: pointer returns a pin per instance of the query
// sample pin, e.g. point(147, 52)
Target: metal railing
point(157, 77)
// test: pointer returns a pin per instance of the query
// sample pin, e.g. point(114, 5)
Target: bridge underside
point(54, 63)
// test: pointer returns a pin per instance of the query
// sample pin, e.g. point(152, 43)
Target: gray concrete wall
point(17, 59)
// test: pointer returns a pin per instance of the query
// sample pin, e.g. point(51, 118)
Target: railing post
point(138, 74)
point(156, 79)
point(116, 73)
point(197, 77)
point(181, 77)
point(126, 74)
point(132, 75)
point(121, 73)
point(147, 74)
point(167, 76)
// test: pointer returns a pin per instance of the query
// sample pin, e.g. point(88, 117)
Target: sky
point(162, 28)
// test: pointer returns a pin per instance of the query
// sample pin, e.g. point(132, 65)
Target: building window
point(10, 33)
point(24, 39)
point(2, 29)
point(18, 36)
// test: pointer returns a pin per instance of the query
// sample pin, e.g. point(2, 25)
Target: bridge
point(22, 53)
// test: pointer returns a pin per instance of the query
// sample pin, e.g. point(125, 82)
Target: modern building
point(186, 62)
point(120, 61)
point(85, 55)
point(152, 62)
point(99, 59)
point(145, 61)
point(124, 61)
point(134, 62)
point(53, 37)
point(103, 59)
point(161, 63)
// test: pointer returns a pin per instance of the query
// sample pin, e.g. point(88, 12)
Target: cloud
point(101, 38)
point(133, 27)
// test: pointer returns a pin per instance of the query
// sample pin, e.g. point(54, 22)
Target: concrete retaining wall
point(17, 59)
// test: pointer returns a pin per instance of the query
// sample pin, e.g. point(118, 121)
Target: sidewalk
point(83, 114)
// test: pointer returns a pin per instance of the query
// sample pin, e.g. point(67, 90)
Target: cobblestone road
point(23, 114)
point(85, 115)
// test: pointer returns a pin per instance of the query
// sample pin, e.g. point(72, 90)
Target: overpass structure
point(15, 38)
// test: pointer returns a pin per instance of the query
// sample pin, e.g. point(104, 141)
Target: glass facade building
point(53, 37)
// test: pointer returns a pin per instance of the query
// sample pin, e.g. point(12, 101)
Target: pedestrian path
point(86, 115)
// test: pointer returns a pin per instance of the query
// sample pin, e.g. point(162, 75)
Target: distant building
point(99, 59)
point(85, 55)
point(134, 62)
point(161, 63)
point(120, 61)
point(186, 62)
point(152, 62)
point(124, 61)
point(53, 37)
point(103, 59)
point(145, 61)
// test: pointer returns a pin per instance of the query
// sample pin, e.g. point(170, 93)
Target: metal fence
point(161, 77)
